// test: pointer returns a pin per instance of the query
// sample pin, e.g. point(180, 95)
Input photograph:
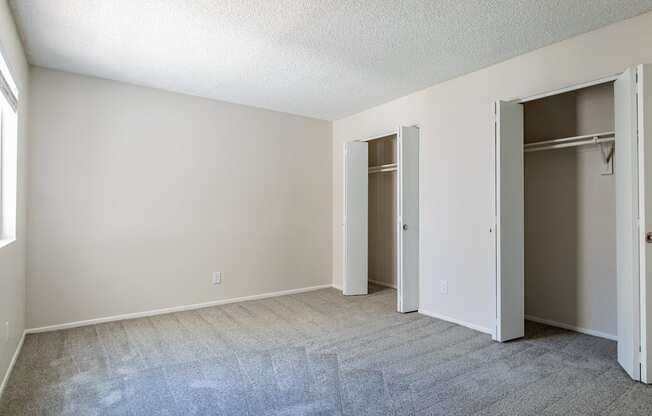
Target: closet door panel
point(644, 106)
point(627, 232)
point(509, 217)
point(408, 220)
point(356, 214)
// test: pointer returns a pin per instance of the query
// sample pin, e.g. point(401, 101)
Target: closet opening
point(383, 174)
point(569, 187)
point(381, 216)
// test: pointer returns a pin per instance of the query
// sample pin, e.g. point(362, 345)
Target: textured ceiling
point(325, 59)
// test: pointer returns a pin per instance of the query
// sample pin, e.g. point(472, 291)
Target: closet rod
point(380, 167)
point(570, 142)
point(383, 170)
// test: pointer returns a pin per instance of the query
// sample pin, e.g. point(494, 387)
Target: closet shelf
point(597, 138)
point(390, 167)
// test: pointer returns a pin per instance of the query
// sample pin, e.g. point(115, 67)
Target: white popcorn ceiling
point(324, 59)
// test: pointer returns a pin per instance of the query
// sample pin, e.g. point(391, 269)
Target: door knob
point(405, 227)
point(648, 237)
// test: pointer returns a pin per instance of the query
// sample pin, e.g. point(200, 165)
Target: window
point(8, 154)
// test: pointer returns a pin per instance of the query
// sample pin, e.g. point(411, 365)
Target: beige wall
point(456, 122)
point(138, 195)
point(12, 256)
point(570, 239)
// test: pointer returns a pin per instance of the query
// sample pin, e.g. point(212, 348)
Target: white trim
point(172, 309)
point(343, 235)
point(381, 136)
point(644, 222)
point(399, 219)
point(572, 327)
point(4, 242)
point(12, 363)
point(385, 284)
point(456, 321)
point(569, 88)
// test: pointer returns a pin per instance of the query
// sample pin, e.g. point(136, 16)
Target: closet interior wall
point(382, 212)
point(570, 219)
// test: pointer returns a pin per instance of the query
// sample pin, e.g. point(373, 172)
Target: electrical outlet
point(217, 278)
point(443, 287)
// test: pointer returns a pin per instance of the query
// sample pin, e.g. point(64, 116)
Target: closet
point(571, 233)
point(570, 210)
point(382, 211)
point(381, 215)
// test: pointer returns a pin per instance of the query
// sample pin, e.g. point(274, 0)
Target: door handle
point(405, 227)
point(648, 237)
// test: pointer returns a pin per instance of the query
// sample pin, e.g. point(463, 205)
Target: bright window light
point(8, 154)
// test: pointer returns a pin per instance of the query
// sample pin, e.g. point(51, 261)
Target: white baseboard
point(385, 284)
point(338, 287)
point(172, 309)
point(456, 321)
point(571, 327)
point(12, 363)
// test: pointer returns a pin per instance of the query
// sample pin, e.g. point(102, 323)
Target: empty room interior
point(342, 208)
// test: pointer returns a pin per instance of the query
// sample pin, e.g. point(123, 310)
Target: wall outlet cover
point(443, 287)
point(217, 278)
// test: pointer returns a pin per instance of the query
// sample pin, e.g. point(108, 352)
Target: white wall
point(12, 256)
point(138, 195)
point(456, 124)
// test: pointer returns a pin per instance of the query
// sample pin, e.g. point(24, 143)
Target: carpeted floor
point(317, 353)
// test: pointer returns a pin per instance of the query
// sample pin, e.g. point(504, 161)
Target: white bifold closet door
point(644, 107)
point(509, 241)
point(407, 223)
point(356, 207)
point(627, 236)
point(633, 164)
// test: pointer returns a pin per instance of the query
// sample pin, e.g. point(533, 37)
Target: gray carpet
point(317, 353)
